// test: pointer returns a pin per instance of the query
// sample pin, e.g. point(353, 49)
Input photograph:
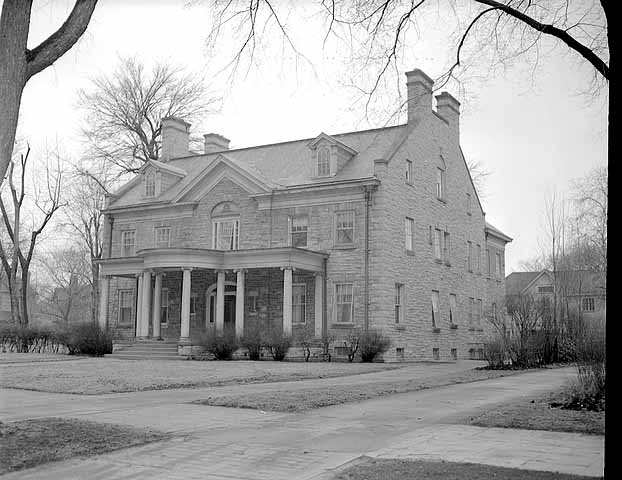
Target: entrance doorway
point(210, 311)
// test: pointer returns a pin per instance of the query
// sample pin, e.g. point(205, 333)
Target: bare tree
point(17, 255)
point(18, 63)
point(124, 111)
point(479, 175)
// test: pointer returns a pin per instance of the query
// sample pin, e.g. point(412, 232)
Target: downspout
point(368, 191)
point(111, 222)
point(324, 302)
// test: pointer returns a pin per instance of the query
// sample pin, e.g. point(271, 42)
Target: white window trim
point(304, 305)
point(290, 227)
point(215, 226)
point(399, 306)
point(133, 245)
point(409, 236)
point(153, 175)
point(436, 309)
point(438, 244)
point(317, 161)
point(157, 244)
point(453, 309)
point(336, 304)
point(336, 230)
point(131, 307)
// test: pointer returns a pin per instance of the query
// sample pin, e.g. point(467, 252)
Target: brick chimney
point(215, 143)
point(175, 138)
point(449, 108)
point(419, 91)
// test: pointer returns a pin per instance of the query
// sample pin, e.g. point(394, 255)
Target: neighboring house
point(379, 228)
point(580, 290)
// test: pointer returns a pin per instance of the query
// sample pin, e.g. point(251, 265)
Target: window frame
point(337, 302)
point(438, 247)
point(399, 303)
point(409, 234)
point(453, 309)
point(409, 172)
point(337, 229)
point(131, 307)
point(125, 246)
point(469, 256)
point(235, 239)
point(293, 231)
point(164, 307)
point(479, 312)
point(471, 304)
point(436, 309)
point(150, 184)
point(591, 303)
point(478, 258)
point(156, 231)
point(302, 305)
point(322, 164)
point(447, 248)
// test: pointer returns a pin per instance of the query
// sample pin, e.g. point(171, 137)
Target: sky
point(535, 133)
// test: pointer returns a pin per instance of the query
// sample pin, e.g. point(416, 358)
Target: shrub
point(496, 354)
point(352, 343)
point(33, 339)
point(221, 345)
point(251, 340)
point(373, 343)
point(86, 339)
point(278, 344)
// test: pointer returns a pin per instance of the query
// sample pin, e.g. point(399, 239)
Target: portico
point(156, 267)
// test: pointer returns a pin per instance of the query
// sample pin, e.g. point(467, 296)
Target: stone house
point(379, 229)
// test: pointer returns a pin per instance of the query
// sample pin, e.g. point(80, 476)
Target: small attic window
point(323, 161)
point(150, 184)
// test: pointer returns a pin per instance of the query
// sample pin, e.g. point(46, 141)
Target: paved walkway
point(222, 443)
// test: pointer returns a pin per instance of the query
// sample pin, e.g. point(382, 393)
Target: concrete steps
point(145, 350)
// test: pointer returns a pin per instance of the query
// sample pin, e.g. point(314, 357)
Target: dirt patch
point(543, 413)
point(28, 443)
point(392, 469)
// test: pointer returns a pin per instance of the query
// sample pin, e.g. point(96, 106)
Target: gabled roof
point(163, 166)
point(332, 140)
point(517, 282)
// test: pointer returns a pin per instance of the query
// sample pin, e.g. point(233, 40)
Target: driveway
point(223, 443)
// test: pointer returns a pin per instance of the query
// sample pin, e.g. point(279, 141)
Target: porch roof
point(180, 258)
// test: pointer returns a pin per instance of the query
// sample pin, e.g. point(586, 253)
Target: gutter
point(368, 192)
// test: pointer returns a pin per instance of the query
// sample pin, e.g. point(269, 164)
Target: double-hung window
point(399, 303)
point(126, 307)
point(478, 258)
point(128, 243)
point(226, 234)
point(298, 231)
point(150, 184)
point(344, 303)
point(587, 304)
point(344, 226)
point(440, 183)
point(453, 312)
point(299, 303)
point(409, 229)
point(435, 309)
point(470, 256)
point(498, 265)
point(447, 248)
point(162, 237)
point(164, 307)
point(438, 254)
point(323, 161)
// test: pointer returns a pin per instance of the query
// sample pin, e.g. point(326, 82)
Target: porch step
point(145, 350)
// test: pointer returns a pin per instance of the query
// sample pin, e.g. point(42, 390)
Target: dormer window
point(150, 184)
point(323, 162)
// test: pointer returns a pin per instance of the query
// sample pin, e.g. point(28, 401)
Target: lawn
point(304, 399)
point(108, 375)
point(381, 469)
point(28, 443)
point(537, 414)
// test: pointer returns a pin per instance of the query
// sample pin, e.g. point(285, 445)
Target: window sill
point(453, 326)
point(349, 246)
point(298, 324)
point(342, 325)
point(436, 330)
point(400, 327)
point(410, 252)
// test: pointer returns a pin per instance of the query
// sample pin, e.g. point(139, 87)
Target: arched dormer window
point(150, 184)
point(441, 182)
point(225, 226)
point(323, 161)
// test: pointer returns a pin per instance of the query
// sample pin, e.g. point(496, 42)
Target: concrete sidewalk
point(224, 443)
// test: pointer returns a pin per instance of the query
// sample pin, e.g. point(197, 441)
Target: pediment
point(221, 168)
point(325, 139)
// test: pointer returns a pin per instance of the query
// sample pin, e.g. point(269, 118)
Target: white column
point(157, 302)
point(139, 306)
point(319, 304)
point(239, 304)
point(220, 302)
point(287, 301)
point(104, 283)
point(146, 305)
point(186, 288)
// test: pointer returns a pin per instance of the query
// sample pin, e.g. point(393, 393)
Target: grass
point(392, 469)
point(28, 443)
point(304, 399)
point(537, 414)
point(108, 375)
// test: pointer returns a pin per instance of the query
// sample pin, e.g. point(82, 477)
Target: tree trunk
point(14, 25)
point(95, 291)
point(24, 296)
